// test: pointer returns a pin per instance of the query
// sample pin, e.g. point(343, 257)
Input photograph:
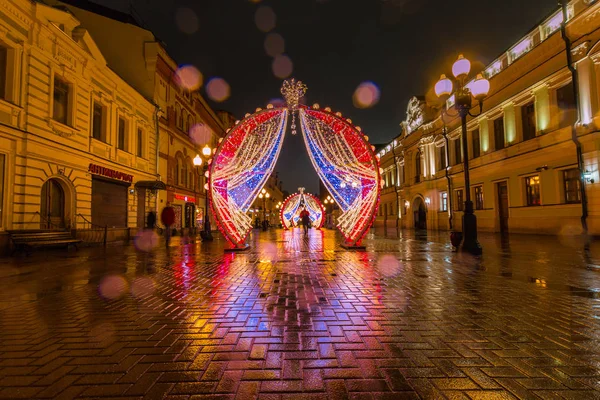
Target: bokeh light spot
point(282, 66)
point(218, 89)
point(112, 287)
point(366, 95)
point(186, 20)
point(200, 134)
point(388, 265)
point(274, 44)
point(265, 18)
point(188, 77)
point(146, 240)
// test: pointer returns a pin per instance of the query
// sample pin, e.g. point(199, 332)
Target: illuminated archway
point(290, 210)
point(340, 153)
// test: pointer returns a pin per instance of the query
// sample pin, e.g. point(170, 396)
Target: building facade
point(75, 138)
point(533, 151)
point(185, 122)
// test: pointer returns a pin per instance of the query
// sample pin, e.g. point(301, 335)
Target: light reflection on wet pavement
point(302, 318)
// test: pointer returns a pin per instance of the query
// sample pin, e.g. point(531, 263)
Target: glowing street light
point(464, 93)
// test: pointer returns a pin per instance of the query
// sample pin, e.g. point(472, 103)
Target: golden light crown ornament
point(292, 91)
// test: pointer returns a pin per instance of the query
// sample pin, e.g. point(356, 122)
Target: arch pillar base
point(238, 249)
point(353, 248)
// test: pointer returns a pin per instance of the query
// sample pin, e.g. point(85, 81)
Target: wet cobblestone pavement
point(298, 318)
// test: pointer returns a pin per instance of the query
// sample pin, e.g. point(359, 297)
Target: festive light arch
point(290, 210)
point(339, 151)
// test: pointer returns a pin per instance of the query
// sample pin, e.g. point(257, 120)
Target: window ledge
point(61, 129)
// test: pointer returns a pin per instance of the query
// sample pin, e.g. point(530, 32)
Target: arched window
point(418, 167)
point(184, 116)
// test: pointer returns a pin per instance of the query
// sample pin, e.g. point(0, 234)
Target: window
point(391, 208)
point(528, 120)
point(565, 99)
point(572, 185)
point(403, 174)
point(60, 106)
point(499, 133)
point(532, 190)
point(177, 170)
point(460, 203)
point(418, 167)
point(444, 201)
point(190, 123)
point(140, 142)
point(442, 158)
point(476, 144)
point(121, 135)
point(184, 175)
point(457, 151)
point(2, 173)
point(97, 122)
point(3, 70)
point(478, 197)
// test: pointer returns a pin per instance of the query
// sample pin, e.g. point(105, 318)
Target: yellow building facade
point(524, 149)
point(73, 134)
point(185, 122)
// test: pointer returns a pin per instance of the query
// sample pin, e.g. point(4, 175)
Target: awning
point(154, 185)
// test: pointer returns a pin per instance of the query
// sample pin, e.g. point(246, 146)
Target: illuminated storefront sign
point(110, 173)
point(185, 198)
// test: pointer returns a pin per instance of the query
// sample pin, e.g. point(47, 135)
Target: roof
point(104, 11)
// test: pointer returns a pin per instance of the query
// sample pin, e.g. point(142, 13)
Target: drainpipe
point(574, 138)
point(448, 180)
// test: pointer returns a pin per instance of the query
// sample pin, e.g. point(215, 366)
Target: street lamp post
point(206, 152)
point(264, 195)
point(197, 163)
point(479, 89)
point(329, 201)
point(278, 206)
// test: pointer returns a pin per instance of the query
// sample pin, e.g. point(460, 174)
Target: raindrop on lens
point(265, 18)
point(186, 20)
point(218, 89)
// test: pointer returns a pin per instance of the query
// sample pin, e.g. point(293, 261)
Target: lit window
point(121, 135)
point(444, 201)
point(61, 100)
point(442, 158)
point(532, 190)
point(459, 200)
point(478, 197)
point(521, 48)
point(418, 167)
point(572, 185)
point(528, 119)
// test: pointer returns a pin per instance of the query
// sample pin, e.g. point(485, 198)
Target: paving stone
point(298, 318)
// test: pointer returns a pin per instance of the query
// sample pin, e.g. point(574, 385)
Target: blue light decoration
point(290, 210)
point(340, 153)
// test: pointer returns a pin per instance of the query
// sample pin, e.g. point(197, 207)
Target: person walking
point(305, 217)
point(167, 217)
point(151, 220)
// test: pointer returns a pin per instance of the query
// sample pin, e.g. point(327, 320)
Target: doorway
point(503, 206)
point(53, 205)
point(190, 215)
point(419, 214)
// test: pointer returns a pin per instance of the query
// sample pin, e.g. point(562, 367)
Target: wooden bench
point(28, 240)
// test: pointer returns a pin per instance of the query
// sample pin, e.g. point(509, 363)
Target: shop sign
point(185, 198)
point(110, 173)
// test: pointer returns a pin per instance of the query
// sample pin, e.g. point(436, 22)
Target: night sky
point(402, 46)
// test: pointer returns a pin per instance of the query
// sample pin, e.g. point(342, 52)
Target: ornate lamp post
point(197, 163)
point(479, 89)
point(264, 195)
point(206, 152)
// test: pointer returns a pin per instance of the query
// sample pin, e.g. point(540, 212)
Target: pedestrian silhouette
point(305, 217)
point(167, 217)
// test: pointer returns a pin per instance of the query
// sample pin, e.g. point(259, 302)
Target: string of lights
point(290, 210)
